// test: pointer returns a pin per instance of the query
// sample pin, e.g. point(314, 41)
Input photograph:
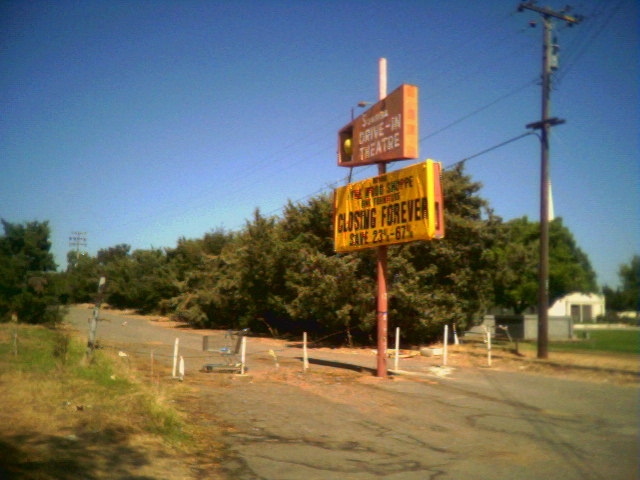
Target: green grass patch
point(622, 342)
point(613, 341)
point(31, 349)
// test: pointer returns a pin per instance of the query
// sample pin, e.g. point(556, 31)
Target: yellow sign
point(396, 207)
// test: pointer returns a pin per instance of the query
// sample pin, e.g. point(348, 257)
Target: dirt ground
point(230, 414)
point(601, 367)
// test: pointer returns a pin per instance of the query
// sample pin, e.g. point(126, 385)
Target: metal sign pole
point(382, 256)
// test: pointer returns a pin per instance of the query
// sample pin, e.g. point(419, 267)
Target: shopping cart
point(227, 349)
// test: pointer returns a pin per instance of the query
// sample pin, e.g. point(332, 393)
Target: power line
point(195, 200)
point(581, 50)
point(242, 181)
point(490, 149)
point(478, 110)
point(449, 167)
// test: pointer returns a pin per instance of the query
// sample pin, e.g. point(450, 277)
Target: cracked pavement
point(329, 423)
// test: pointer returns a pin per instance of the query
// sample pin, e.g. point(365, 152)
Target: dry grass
point(63, 417)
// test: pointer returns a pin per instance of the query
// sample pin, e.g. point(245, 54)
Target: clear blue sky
point(142, 122)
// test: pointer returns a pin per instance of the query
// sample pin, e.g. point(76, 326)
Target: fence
point(525, 327)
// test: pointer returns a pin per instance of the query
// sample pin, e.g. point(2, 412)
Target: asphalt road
point(472, 424)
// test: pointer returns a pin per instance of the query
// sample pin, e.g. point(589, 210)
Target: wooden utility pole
point(544, 125)
point(93, 321)
point(382, 306)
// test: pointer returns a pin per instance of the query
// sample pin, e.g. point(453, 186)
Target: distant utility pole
point(549, 63)
point(77, 240)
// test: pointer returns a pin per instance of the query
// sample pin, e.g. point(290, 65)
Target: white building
point(581, 307)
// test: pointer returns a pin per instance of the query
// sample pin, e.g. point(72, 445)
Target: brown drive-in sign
point(387, 131)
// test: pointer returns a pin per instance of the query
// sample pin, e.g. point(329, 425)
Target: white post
point(395, 362)
point(488, 347)
point(175, 357)
point(181, 369)
point(455, 335)
point(305, 354)
point(444, 347)
point(243, 353)
point(382, 81)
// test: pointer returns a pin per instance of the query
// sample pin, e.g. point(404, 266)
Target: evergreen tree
point(81, 278)
point(260, 263)
point(517, 257)
point(26, 268)
point(625, 298)
point(449, 280)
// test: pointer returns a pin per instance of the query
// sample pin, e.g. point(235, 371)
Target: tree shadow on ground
point(342, 365)
point(107, 454)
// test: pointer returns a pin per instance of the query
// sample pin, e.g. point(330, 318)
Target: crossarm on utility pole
point(547, 12)
point(544, 125)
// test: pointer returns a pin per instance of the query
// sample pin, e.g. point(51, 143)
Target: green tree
point(517, 257)
point(152, 280)
point(208, 294)
point(186, 257)
point(81, 278)
point(260, 262)
point(138, 280)
point(448, 280)
point(26, 268)
point(327, 294)
point(310, 225)
point(191, 255)
point(330, 295)
point(113, 254)
point(430, 283)
point(627, 296)
point(569, 267)
point(117, 266)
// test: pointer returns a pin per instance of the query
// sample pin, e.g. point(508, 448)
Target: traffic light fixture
point(345, 145)
point(386, 132)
